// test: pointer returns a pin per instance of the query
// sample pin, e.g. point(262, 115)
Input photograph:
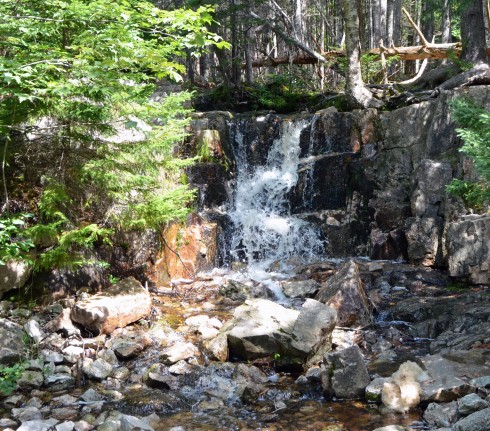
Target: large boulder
point(345, 293)
point(14, 275)
point(312, 331)
point(261, 328)
point(121, 304)
point(468, 248)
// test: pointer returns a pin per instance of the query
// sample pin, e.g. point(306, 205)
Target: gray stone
point(431, 178)
point(97, 370)
point(217, 348)
point(83, 426)
point(468, 248)
point(446, 383)
point(481, 382)
point(479, 421)
point(132, 423)
point(178, 352)
point(25, 414)
point(374, 389)
point(8, 423)
point(50, 356)
point(38, 425)
point(181, 367)
point(345, 293)
point(423, 240)
point(300, 288)
point(115, 307)
point(391, 428)
point(12, 346)
point(312, 331)
point(34, 402)
point(65, 426)
point(261, 328)
point(158, 376)
point(30, 380)
point(59, 382)
point(63, 324)
point(34, 330)
point(441, 415)
point(109, 356)
point(471, 403)
point(91, 395)
point(350, 376)
point(63, 400)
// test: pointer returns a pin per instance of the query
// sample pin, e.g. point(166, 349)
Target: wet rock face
point(116, 307)
point(468, 248)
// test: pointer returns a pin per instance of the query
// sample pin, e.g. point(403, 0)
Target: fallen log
point(419, 52)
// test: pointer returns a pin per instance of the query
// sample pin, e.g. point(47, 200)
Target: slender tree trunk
point(397, 22)
point(298, 20)
point(390, 9)
point(473, 32)
point(358, 94)
point(446, 22)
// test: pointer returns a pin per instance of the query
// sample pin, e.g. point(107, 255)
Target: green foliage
point(474, 122)
point(8, 378)
point(14, 244)
point(78, 76)
point(371, 67)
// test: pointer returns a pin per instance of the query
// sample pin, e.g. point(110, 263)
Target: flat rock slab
point(450, 377)
point(118, 306)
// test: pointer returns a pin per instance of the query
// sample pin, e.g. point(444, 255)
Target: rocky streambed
point(355, 345)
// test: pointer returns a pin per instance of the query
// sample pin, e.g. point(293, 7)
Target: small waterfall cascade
point(266, 234)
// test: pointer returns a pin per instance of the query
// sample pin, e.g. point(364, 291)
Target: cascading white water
point(265, 231)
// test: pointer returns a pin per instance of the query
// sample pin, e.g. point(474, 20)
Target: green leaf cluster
point(14, 243)
point(8, 378)
point(77, 79)
point(474, 122)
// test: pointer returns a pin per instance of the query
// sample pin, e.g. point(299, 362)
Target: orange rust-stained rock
point(189, 249)
point(124, 303)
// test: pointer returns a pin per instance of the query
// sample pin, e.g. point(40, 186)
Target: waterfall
point(266, 234)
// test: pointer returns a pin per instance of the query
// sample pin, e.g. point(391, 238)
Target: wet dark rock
point(467, 243)
point(349, 373)
point(210, 180)
point(142, 402)
point(441, 415)
point(158, 376)
point(345, 293)
point(475, 422)
point(471, 403)
point(115, 307)
point(59, 382)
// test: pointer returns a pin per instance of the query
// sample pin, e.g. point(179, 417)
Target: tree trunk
point(358, 94)
point(446, 22)
point(390, 9)
point(397, 22)
point(473, 32)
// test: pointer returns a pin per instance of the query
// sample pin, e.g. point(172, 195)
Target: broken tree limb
point(425, 42)
point(289, 39)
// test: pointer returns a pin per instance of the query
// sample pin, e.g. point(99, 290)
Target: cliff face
point(373, 182)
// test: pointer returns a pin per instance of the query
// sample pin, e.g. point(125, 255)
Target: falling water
point(266, 234)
